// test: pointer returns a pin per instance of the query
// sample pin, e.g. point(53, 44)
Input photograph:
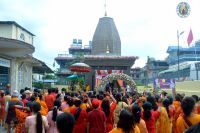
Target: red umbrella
point(80, 67)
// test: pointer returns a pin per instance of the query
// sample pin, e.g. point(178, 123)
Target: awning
point(175, 68)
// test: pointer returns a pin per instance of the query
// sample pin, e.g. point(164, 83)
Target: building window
point(20, 75)
point(22, 37)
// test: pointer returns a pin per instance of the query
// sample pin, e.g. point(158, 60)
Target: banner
point(164, 83)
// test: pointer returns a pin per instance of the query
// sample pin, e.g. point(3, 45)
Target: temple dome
point(106, 38)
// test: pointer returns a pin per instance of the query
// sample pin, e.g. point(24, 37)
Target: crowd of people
point(57, 111)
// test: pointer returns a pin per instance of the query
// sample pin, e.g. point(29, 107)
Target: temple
point(102, 54)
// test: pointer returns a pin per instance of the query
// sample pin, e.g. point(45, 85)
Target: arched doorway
point(118, 76)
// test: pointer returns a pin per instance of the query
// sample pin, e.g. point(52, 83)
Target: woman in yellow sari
point(189, 117)
point(164, 122)
point(126, 123)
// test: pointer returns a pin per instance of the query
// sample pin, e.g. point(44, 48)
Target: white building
point(16, 61)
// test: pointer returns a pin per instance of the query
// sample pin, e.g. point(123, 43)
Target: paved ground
point(2, 130)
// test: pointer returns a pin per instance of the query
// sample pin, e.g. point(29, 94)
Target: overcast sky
point(146, 27)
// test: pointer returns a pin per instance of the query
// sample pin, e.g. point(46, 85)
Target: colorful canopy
point(80, 67)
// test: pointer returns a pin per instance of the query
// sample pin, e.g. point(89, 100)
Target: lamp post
point(178, 51)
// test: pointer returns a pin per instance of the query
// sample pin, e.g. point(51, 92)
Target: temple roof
point(106, 37)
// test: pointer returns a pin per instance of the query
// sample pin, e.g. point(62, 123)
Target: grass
point(187, 87)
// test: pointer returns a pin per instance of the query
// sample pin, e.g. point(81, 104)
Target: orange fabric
point(84, 106)
point(178, 113)
point(119, 130)
point(142, 126)
point(181, 125)
point(70, 109)
point(14, 99)
point(44, 108)
point(21, 117)
point(164, 123)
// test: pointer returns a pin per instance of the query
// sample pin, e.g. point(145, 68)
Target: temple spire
point(105, 9)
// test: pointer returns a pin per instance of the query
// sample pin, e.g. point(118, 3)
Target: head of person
point(187, 105)
point(178, 97)
point(41, 97)
point(136, 110)
point(196, 98)
point(28, 93)
point(65, 123)
point(26, 88)
point(147, 106)
point(2, 94)
point(15, 93)
point(126, 122)
point(105, 105)
point(57, 104)
point(65, 98)
point(95, 103)
point(100, 97)
point(77, 102)
point(63, 90)
point(23, 96)
point(70, 101)
point(166, 104)
point(7, 92)
point(118, 97)
point(32, 98)
point(125, 99)
point(49, 91)
point(152, 100)
point(53, 90)
point(170, 99)
point(35, 109)
point(21, 91)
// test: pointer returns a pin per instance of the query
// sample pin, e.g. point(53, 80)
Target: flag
point(190, 37)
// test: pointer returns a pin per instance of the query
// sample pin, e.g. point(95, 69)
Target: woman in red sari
point(150, 117)
point(2, 108)
point(108, 108)
point(80, 116)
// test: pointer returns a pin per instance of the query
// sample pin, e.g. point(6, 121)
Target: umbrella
point(74, 76)
point(80, 67)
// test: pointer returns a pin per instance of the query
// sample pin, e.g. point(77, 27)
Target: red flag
point(190, 37)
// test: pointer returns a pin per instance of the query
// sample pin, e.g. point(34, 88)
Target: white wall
point(14, 32)
point(6, 31)
point(21, 75)
point(22, 35)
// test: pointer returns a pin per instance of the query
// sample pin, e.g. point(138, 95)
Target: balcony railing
point(65, 55)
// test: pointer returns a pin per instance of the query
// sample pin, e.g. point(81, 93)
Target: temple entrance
point(117, 76)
